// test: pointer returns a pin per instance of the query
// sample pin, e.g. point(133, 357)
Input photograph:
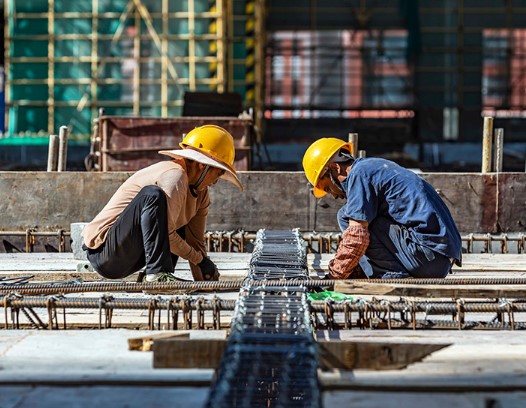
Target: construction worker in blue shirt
point(394, 223)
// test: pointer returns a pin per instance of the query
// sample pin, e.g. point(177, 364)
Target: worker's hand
point(327, 277)
point(322, 287)
point(208, 270)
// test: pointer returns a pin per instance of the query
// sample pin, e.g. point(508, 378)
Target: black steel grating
point(271, 359)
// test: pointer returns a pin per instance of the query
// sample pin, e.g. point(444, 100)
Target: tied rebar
point(270, 359)
point(188, 312)
point(266, 275)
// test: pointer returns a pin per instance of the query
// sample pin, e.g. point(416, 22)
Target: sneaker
point(163, 277)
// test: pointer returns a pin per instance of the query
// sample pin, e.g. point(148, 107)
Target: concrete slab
point(233, 266)
point(90, 356)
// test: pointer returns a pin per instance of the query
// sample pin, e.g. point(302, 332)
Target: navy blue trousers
point(393, 253)
point(139, 238)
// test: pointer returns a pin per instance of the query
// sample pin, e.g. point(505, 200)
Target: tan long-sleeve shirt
point(183, 209)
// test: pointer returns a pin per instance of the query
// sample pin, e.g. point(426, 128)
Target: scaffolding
point(65, 60)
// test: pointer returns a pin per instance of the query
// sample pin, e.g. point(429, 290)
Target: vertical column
point(94, 56)
point(487, 140)
point(164, 59)
point(137, 64)
point(213, 43)
point(250, 45)
point(8, 34)
point(51, 66)
point(191, 44)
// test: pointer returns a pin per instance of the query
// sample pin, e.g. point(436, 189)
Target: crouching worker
point(159, 213)
point(394, 223)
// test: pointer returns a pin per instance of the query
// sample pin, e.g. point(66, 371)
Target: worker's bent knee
point(154, 192)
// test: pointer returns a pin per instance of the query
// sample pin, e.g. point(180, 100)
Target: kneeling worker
point(394, 223)
point(159, 213)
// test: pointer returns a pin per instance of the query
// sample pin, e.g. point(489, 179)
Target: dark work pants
point(138, 238)
point(393, 253)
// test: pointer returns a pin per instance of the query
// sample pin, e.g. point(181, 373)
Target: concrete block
point(76, 240)
point(84, 266)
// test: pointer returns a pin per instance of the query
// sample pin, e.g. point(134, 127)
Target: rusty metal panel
point(129, 143)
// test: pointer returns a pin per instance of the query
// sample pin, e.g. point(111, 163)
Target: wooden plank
point(145, 343)
point(449, 291)
point(386, 355)
point(188, 353)
point(179, 352)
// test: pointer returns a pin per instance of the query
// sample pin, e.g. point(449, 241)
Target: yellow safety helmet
point(211, 145)
point(212, 140)
point(317, 157)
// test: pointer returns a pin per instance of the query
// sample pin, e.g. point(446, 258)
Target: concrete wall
point(277, 200)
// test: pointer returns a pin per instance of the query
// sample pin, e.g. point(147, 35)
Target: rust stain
point(131, 143)
point(489, 215)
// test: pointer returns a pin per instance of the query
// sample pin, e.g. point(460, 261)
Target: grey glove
point(208, 269)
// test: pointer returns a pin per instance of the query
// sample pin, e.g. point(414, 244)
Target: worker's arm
point(196, 227)
point(175, 185)
point(354, 243)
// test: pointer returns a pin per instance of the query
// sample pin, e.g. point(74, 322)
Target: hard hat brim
point(192, 154)
point(318, 193)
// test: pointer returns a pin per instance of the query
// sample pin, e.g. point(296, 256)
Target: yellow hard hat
point(317, 157)
point(212, 140)
point(211, 145)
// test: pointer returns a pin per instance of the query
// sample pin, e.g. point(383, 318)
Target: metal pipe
point(499, 149)
point(52, 155)
point(353, 139)
point(487, 136)
point(63, 148)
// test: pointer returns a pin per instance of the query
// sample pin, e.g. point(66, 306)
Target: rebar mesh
point(270, 359)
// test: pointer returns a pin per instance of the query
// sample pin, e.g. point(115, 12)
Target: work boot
point(161, 277)
point(165, 277)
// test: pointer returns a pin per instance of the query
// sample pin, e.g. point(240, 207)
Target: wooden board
point(386, 355)
point(184, 352)
point(179, 352)
point(431, 291)
point(145, 343)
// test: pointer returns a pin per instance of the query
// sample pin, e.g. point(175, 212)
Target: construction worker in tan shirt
point(159, 213)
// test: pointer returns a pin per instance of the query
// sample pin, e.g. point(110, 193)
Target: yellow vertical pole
point(250, 47)
point(487, 141)
point(213, 43)
point(220, 39)
point(259, 41)
point(51, 66)
point(164, 62)
point(228, 18)
point(191, 45)
point(353, 139)
point(94, 56)
point(137, 67)
point(8, 29)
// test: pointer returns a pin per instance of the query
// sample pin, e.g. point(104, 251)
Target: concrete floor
point(87, 368)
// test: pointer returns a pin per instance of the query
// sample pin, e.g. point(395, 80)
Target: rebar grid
point(271, 359)
point(316, 242)
point(272, 278)
point(189, 312)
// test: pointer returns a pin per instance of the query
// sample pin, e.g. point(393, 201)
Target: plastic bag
point(329, 294)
